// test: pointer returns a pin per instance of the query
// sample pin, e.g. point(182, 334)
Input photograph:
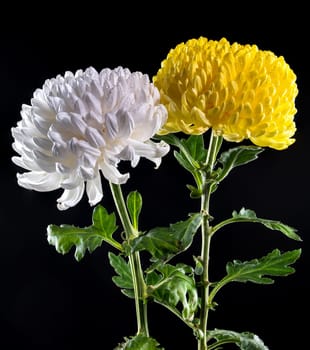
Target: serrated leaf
point(248, 215)
point(65, 237)
point(123, 279)
point(237, 156)
point(174, 286)
point(134, 205)
point(257, 270)
point(165, 242)
point(104, 222)
point(244, 340)
point(139, 342)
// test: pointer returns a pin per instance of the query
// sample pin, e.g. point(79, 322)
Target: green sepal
point(235, 157)
point(174, 287)
point(123, 279)
point(64, 237)
point(139, 342)
point(244, 340)
point(134, 205)
point(165, 242)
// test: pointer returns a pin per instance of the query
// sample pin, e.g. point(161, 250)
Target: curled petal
point(94, 190)
point(111, 173)
point(151, 150)
point(128, 153)
point(70, 198)
point(39, 181)
point(25, 163)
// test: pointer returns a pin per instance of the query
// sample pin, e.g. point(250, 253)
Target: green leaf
point(174, 287)
point(64, 237)
point(165, 242)
point(123, 279)
point(191, 156)
point(171, 139)
point(139, 342)
point(192, 153)
point(256, 270)
point(195, 147)
point(104, 222)
point(248, 215)
point(235, 157)
point(185, 162)
point(134, 205)
point(244, 340)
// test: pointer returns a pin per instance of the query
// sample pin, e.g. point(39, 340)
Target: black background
point(48, 300)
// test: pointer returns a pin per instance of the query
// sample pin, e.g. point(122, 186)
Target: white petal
point(88, 160)
point(93, 103)
point(96, 89)
point(70, 198)
point(55, 136)
point(86, 173)
point(44, 143)
point(78, 123)
point(62, 169)
point(56, 103)
point(128, 153)
point(125, 124)
point(44, 162)
point(80, 107)
point(39, 181)
point(94, 119)
point(80, 147)
point(111, 125)
point(25, 163)
point(26, 113)
point(64, 124)
point(110, 99)
point(151, 150)
point(148, 120)
point(41, 124)
point(72, 181)
point(94, 137)
point(94, 190)
point(111, 173)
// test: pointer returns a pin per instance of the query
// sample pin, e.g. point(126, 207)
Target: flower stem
point(206, 233)
point(134, 262)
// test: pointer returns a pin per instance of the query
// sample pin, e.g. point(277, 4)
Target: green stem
point(206, 233)
point(134, 261)
point(217, 287)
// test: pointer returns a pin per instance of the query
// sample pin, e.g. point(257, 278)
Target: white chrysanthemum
point(83, 123)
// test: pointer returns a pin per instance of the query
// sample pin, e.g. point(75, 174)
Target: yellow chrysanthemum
point(239, 91)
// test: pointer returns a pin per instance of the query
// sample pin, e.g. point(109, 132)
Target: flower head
point(239, 91)
point(81, 124)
